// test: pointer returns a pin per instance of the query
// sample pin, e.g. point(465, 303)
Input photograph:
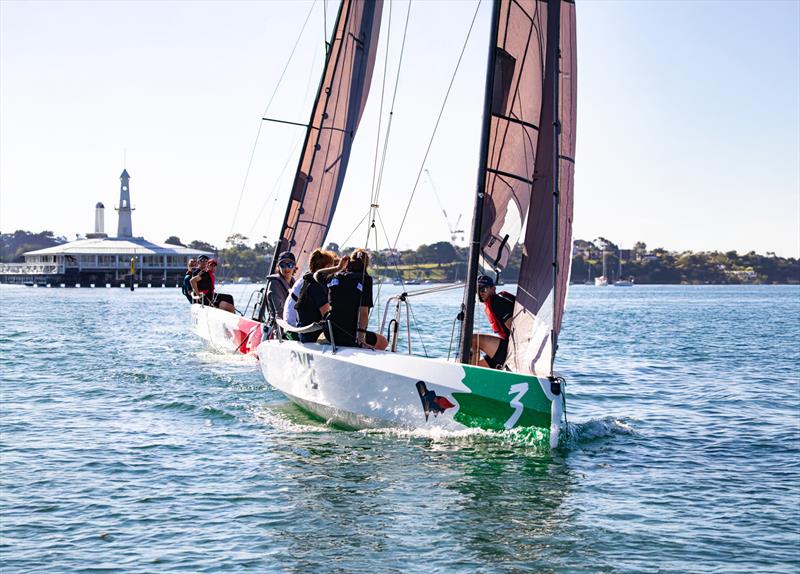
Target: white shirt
point(289, 312)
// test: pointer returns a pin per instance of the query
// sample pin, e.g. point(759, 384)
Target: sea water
point(127, 446)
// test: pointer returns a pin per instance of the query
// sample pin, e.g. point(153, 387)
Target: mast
point(553, 55)
point(477, 217)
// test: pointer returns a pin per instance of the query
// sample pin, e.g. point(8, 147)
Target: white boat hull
point(226, 332)
point(361, 388)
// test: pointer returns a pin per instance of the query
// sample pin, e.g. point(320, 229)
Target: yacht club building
point(101, 260)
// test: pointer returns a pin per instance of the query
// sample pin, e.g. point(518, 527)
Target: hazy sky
point(688, 119)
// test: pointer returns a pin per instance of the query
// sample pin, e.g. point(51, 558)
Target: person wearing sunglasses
point(280, 283)
point(499, 309)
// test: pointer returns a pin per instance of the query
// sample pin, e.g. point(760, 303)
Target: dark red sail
point(547, 246)
point(334, 119)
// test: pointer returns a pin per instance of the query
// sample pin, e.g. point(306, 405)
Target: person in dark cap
point(279, 284)
point(499, 309)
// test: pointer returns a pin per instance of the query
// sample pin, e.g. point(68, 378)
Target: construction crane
point(455, 232)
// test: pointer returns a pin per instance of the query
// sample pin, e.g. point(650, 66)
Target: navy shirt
point(347, 292)
point(311, 299)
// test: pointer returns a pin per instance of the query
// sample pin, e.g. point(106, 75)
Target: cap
point(485, 281)
point(212, 261)
point(286, 256)
point(203, 258)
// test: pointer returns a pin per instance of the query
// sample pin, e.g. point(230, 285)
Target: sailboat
point(602, 281)
point(335, 115)
point(620, 282)
point(525, 182)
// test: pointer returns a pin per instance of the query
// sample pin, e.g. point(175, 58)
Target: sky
point(688, 119)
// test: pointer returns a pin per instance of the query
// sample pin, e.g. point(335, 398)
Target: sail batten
point(335, 116)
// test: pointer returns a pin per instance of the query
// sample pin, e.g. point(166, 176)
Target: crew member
point(279, 284)
point(312, 300)
point(499, 309)
point(319, 259)
point(203, 286)
point(186, 287)
point(350, 298)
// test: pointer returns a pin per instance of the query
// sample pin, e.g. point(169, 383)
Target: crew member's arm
point(322, 275)
point(273, 306)
point(363, 321)
point(194, 281)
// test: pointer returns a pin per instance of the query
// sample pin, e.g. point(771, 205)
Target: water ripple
point(125, 446)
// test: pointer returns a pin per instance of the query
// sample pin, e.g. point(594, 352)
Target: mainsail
point(547, 248)
point(528, 173)
point(335, 116)
point(514, 126)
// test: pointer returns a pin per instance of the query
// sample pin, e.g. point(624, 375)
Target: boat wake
point(209, 356)
point(577, 434)
point(287, 418)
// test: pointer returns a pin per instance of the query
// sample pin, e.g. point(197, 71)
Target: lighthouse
point(124, 228)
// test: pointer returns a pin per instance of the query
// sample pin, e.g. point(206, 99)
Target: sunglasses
point(482, 289)
point(212, 264)
point(286, 265)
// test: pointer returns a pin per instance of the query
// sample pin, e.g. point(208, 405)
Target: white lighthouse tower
point(124, 228)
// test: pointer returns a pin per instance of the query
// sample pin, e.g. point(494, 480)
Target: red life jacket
point(498, 325)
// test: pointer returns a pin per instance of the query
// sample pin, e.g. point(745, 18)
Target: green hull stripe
point(489, 405)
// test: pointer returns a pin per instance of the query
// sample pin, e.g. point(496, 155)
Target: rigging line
point(380, 112)
point(438, 119)
point(360, 221)
point(402, 283)
point(391, 109)
point(274, 190)
point(260, 124)
point(378, 306)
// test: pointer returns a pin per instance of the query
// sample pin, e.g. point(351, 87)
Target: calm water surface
point(126, 446)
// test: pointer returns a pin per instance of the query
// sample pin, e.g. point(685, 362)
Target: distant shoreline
point(444, 262)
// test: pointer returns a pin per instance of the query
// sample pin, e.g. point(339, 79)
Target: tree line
point(444, 262)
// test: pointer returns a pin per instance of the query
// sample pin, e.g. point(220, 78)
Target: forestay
point(546, 256)
point(334, 119)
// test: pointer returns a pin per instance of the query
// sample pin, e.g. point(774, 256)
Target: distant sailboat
point(335, 115)
point(528, 128)
point(602, 281)
point(620, 282)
